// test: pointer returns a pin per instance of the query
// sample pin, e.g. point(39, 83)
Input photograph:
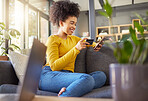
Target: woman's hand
point(81, 44)
point(98, 48)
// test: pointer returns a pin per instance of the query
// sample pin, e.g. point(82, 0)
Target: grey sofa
point(87, 61)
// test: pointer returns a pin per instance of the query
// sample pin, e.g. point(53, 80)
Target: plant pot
point(4, 58)
point(129, 82)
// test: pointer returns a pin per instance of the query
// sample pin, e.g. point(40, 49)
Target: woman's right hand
point(81, 44)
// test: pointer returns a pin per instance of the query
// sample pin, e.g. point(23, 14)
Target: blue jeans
point(77, 84)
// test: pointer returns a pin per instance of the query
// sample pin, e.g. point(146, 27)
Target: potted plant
point(129, 79)
point(5, 38)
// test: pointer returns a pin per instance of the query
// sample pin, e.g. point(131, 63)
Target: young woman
point(62, 49)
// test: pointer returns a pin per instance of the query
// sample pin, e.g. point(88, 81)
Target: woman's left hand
point(98, 48)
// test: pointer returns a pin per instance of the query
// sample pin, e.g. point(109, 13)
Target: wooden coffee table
point(53, 98)
point(49, 98)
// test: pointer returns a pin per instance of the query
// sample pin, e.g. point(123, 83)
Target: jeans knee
point(88, 80)
point(100, 79)
point(103, 76)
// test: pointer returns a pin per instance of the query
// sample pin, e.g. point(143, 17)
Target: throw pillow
point(19, 62)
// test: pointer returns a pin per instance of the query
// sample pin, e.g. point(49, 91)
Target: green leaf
point(142, 45)
point(17, 32)
point(1, 33)
point(2, 24)
point(122, 57)
point(4, 51)
point(3, 48)
point(140, 18)
point(2, 27)
point(144, 54)
point(108, 9)
point(138, 51)
point(123, 54)
point(2, 41)
point(128, 48)
point(117, 54)
point(12, 33)
point(13, 46)
point(120, 54)
point(103, 14)
point(139, 28)
point(133, 35)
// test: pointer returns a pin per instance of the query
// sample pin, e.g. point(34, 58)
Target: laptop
point(28, 89)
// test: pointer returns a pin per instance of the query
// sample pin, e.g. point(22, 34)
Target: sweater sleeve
point(55, 62)
point(93, 44)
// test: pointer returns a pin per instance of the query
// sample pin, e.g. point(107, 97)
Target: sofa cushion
point(9, 88)
point(103, 92)
point(80, 62)
point(7, 73)
point(99, 61)
point(19, 62)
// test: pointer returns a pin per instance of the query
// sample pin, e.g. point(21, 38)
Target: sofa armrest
point(7, 73)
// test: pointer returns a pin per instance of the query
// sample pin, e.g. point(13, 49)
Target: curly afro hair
point(61, 10)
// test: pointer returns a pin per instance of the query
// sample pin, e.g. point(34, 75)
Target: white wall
point(140, 1)
point(82, 24)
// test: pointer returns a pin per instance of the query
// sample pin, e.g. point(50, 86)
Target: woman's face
point(69, 25)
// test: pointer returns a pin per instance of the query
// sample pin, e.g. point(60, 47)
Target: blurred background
point(31, 17)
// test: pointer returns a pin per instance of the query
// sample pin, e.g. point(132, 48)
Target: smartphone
point(90, 41)
point(100, 42)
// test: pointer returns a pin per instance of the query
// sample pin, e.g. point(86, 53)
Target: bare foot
point(61, 91)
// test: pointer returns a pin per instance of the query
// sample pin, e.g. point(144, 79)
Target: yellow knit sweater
point(61, 54)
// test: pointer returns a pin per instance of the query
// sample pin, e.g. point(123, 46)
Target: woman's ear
point(61, 23)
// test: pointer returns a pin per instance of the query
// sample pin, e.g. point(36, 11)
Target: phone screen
point(100, 42)
point(90, 41)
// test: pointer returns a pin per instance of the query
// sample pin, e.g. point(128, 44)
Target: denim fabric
point(77, 84)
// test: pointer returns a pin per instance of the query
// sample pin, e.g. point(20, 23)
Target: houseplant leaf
point(13, 46)
point(128, 48)
point(4, 51)
point(140, 18)
point(133, 35)
point(107, 10)
point(103, 14)
point(2, 26)
point(107, 7)
point(139, 28)
point(5, 36)
point(12, 33)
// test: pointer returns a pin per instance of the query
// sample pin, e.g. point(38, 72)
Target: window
point(27, 20)
point(44, 30)
point(32, 26)
point(16, 16)
point(1, 10)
